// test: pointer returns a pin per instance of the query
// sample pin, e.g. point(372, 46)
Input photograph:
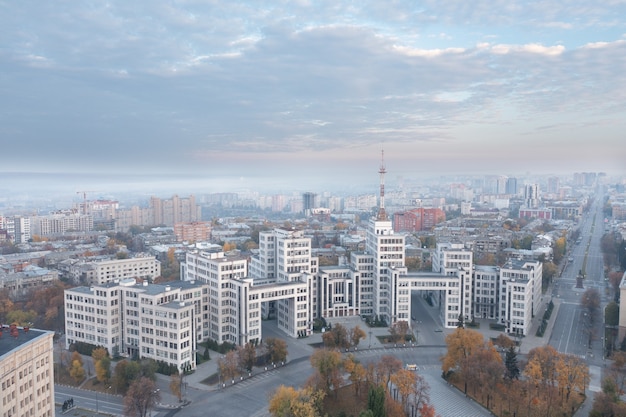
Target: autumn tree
point(276, 349)
point(461, 344)
point(289, 402)
point(141, 397)
point(399, 331)
point(176, 386)
point(387, 366)
point(572, 374)
point(357, 373)
point(77, 371)
point(328, 365)
point(247, 356)
point(404, 381)
point(542, 372)
point(337, 337)
point(504, 341)
point(228, 365)
point(103, 369)
point(356, 335)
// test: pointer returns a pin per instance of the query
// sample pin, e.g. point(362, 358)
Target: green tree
point(511, 365)
point(22, 318)
point(376, 401)
point(611, 314)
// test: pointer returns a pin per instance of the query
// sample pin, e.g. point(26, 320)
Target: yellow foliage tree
point(287, 401)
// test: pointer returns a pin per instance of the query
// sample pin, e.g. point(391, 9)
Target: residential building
point(192, 231)
point(26, 372)
point(418, 219)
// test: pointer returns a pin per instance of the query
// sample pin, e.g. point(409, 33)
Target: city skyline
point(297, 90)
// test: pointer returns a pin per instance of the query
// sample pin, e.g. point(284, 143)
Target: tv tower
point(382, 215)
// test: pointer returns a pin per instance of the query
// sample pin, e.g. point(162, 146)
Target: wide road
point(571, 332)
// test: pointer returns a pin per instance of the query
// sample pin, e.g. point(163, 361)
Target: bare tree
point(141, 397)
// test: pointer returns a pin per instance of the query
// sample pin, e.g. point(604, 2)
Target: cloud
point(169, 86)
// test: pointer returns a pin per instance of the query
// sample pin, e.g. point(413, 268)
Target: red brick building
point(417, 220)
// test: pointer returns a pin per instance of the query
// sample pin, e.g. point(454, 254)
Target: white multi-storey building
point(486, 280)
point(104, 270)
point(163, 322)
point(520, 294)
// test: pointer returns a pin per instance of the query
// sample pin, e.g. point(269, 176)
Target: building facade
point(26, 372)
point(140, 320)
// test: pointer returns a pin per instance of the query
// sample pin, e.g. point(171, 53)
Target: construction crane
point(84, 193)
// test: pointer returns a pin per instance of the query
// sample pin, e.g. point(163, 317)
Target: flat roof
point(9, 343)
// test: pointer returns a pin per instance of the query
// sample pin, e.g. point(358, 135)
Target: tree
point(289, 402)
point(357, 373)
point(176, 385)
point(573, 374)
point(542, 372)
point(376, 401)
point(125, 372)
point(228, 365)
point(77, 372)
point(328, 365)
point(510, 363)
point(336, 337)
point(611, 314)
point(504, 341)
point(103, 369)
point(356, 335)
point(21, 318)
point(399, 330)
point(247, 356)
point(141, 397)
point(277, 349)
point(387, 366)
point(404, 381)
point(461, 344)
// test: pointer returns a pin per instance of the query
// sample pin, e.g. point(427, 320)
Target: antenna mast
point(382, 215)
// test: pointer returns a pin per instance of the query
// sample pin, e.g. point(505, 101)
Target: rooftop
point(22, 337)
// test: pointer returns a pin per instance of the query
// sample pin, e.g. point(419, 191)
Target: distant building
point(26, 372)
point(308, 203)
point(511, 186)
point(192, 231)
point(160, 212)
point(531, 196)
point(417, 220)
point(106, 270)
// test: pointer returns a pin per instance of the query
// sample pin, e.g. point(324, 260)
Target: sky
point(312, 89)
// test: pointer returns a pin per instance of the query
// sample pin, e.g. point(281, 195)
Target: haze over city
point(309, 92)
